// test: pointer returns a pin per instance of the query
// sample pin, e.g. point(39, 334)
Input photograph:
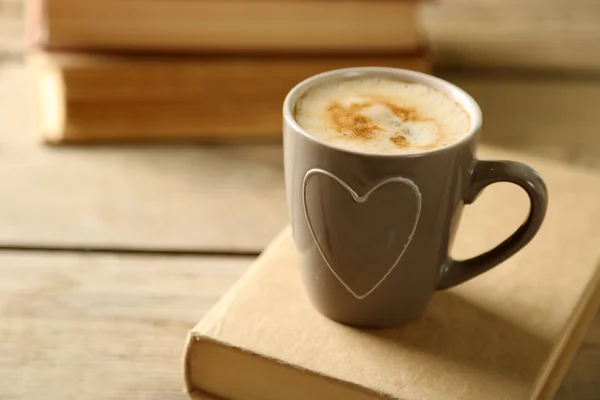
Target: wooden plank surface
point(163, 197)
point(113, 327)
point(158, 197)
point(533, 34)
point(102, 326)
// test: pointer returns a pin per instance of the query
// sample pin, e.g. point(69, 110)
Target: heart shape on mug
point(360, 200)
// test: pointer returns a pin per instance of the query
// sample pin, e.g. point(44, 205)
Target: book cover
point(508, 334)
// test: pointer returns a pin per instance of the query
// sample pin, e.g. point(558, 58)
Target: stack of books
point(200, 69)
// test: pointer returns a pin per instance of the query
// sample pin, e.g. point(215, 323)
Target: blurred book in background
point(561, 35)
point(230, 25)
point(200, 69)
point(84, 97)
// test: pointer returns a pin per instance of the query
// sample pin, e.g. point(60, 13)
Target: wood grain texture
point(539, 34)
point(107, 327)
point(102, 327)
point(167, 197)
point(225, 197)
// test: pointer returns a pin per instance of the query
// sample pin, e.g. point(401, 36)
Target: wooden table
point(108, 255)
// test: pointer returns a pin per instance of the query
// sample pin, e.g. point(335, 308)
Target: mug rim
point(454, 92)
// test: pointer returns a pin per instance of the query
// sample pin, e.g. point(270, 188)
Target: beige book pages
point(232, 25)
point(84, 97)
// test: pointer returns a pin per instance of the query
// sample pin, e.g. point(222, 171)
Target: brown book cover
point(94, 97)
point(231, 25)
point(508, 334)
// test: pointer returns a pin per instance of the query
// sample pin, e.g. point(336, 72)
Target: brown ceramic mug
point(373, 231)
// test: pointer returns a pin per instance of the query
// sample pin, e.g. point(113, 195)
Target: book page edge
point(563, 353)
point(196, 392)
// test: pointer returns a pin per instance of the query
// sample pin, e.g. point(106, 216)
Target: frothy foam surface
point(381, 115)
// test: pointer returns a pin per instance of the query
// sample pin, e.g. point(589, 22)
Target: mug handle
point(483, 174)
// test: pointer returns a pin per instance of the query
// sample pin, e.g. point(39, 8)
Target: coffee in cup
point(381, 115)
